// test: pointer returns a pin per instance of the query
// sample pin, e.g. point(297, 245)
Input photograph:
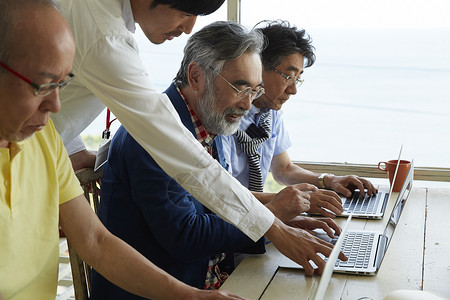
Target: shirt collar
point(255, 112)
point(128, 17)
point(204, 137)
point(16, 147)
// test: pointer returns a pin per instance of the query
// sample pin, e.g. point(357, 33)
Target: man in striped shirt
point(288, 52)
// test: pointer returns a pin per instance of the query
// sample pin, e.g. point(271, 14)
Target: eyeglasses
point(290, 80)
point(246, 92)
point(43, 89)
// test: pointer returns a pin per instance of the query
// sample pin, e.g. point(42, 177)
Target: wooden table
point(418, 258)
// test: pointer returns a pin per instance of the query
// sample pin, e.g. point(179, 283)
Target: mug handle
point(382, 166)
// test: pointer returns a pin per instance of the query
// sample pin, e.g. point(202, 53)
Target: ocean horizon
point(369, 92)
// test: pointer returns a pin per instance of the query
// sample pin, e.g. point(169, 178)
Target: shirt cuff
point(76, 145)
point(257, 222)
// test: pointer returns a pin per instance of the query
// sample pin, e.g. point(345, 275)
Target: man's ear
point(196, 77)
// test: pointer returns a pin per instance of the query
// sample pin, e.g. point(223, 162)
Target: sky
point(344, 13)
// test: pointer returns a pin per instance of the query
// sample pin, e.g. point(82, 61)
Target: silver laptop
point(366, 249)
point(365, 206)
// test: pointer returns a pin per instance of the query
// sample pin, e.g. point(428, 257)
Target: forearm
point(293, 174)
point(264, 198)
point(276, 231)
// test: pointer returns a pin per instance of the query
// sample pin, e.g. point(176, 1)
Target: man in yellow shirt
point(38, 188)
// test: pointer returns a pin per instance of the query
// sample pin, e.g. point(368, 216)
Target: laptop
point(368, 207)
point(366, 249)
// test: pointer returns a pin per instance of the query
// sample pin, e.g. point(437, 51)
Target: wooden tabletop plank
point(437, 243)
point(253, 274)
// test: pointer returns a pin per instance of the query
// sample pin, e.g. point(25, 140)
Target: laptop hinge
point(386, 197)
point(381, 250)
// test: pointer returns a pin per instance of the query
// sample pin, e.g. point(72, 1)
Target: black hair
point(195, 7)
point(282, 40)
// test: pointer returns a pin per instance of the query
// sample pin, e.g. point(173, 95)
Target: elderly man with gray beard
point(219, 77)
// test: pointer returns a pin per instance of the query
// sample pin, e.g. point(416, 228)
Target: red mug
point(389, 167)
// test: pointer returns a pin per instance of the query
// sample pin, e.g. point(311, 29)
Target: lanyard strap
point(106, 133)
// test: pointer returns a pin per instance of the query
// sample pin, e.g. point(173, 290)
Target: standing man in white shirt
point(108, 72)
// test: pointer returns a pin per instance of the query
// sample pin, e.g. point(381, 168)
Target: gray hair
point(214, 45)
point(9, 18)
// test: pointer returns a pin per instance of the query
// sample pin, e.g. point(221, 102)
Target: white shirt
point(108, 71)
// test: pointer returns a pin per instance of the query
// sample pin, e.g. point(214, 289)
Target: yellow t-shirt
point(35, 178)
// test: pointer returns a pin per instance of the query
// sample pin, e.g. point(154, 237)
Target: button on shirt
point(108, 71)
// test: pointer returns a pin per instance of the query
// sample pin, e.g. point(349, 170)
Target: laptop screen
point(329, 266)
point(395, 215)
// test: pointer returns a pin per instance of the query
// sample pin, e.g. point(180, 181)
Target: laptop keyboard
point(356, 247)
point(361, 205)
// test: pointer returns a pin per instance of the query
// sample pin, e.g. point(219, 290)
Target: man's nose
point(188, 24)
point(291, 89)
point(246, 102)
point(51, 102)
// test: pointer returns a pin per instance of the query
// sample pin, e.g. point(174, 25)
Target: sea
point(369, 92)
